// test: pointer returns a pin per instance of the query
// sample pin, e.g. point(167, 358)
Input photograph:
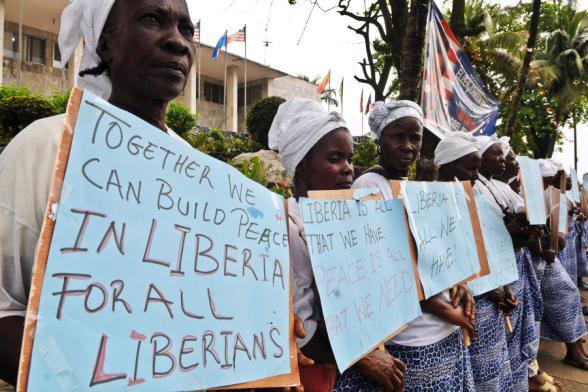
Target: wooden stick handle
point(466, 338)
point(508, 323)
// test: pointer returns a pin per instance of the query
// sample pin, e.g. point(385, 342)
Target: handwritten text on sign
point(168, 269)
point(499, 249)
point(439, 227)
point(363, 270)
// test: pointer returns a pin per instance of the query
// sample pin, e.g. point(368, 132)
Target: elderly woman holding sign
point(432, 345)
point(525, 335)
point(316, 148)
point(137, 53)
point(458, 157)
point(563, 320)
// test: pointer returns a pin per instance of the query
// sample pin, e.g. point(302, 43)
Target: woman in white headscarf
point(563, 319)
point(432, 345)
point(525, 335)
point(316, 149)
point(458, 157)
point(140, 63)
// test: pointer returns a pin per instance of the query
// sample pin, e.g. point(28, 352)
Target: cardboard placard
point(363, 270)
point(533, 190)
point(499, 249)
point(141, 239)
point(440, 230)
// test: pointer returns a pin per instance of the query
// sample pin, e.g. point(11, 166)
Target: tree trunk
point(524, 71)
point(458, 19)
point(413, 48)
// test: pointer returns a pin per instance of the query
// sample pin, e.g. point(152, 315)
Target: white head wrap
point(85, 18)
point(455, 146)
point(547, 168)
point(486, 142)
point(504, 144)
point(299, 124)
point(558, 165)
point(383, 114)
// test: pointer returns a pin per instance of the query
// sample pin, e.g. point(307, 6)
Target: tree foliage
point(260, 116)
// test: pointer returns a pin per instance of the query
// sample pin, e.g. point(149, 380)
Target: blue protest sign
point(168, 270)
point(575, 187)
point(499, 249)
point(363, 269)
point(563, 215)
point(533, 192)
point(441, 226)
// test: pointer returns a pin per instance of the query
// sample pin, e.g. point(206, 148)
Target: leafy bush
point(11, 91)
point(179, 118)
point(17, 112)
point(365, 153)
point(255, 170)
point(260, 117)
point(215, 143)
point(59, 101)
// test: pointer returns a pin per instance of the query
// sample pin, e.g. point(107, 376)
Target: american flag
point(239, 36)
point(196, 36)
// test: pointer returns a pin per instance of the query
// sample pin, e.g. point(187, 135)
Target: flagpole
point(225, 85)
point(245, 79)
point(199, 64)
point(342, 89)
point(329, 89)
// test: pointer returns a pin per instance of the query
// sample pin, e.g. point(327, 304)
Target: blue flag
point(222, 40)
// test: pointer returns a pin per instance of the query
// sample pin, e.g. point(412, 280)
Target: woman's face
point(465, 168)
point(493, 161)
point(511, 165)
point(328, 164)
point(400, 143)
point(148, 48)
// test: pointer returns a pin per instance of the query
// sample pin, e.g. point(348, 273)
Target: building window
point(35, 50)
point(213, 93)
point(253, 93)
point(56, 55)
point(10, 45)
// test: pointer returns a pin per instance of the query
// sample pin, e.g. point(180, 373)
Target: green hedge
point(260, 117)
point(17, 112)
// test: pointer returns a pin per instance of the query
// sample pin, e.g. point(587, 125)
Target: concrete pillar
point(1, 38)
point(190, 90)
point(232, 99)
point(73, 68)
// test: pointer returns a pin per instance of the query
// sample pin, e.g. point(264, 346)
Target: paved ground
point(550, 356)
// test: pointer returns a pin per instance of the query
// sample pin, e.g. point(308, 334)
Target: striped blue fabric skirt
point(489, 351)
point(523, 339)
point(563, 320)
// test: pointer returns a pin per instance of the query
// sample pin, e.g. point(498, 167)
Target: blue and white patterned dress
point(582, 247)
point(568, 255)
point(524, 337)
point(563, 320)
point(489, 351)
point(442, 366)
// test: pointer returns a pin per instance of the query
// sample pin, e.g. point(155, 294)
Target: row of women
point(429, 355)
point(137, 54)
